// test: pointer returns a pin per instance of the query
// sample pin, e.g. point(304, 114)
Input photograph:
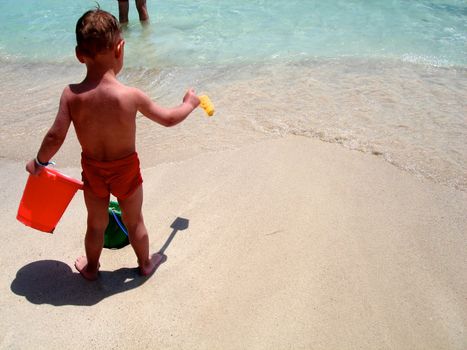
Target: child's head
point(97, 31)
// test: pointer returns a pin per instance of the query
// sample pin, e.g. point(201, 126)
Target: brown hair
point(97, 31)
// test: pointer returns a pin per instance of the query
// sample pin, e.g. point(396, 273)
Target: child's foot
point(81, 265)
point(152, 264)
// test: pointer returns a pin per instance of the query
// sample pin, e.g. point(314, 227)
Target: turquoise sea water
point(388, 77)
point(224, 31)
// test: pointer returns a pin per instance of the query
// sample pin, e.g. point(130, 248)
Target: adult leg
point(98, 219)
point(123, 8)
point(133, 219)
point(142, 10)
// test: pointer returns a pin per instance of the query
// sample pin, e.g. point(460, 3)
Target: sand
point(288, 243)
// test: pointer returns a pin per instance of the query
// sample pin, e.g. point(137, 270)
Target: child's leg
point(98, 219)
point(133, 219)
point(142, 10)
point(123, 8)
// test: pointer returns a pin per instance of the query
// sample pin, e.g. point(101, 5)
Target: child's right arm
point(166, 116)
point(54, 138)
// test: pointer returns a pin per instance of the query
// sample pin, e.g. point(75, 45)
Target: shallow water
point(223, 31)
point(388, 78)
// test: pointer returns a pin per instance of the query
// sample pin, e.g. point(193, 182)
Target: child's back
point(104, 117)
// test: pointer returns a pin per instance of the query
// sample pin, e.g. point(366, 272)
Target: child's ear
point(79, 54)
point(119, 48)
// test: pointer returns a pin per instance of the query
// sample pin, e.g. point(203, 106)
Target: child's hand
point(33, 168)
point(191, 98)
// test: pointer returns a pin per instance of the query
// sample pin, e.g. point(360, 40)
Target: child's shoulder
point(76, 88)
point(68, 91)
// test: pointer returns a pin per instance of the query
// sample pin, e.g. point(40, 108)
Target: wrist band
point(39, 163)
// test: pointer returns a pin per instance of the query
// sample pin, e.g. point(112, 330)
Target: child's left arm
point(166, 116)
point(54, 138)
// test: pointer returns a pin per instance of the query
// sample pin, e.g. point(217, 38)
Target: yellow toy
point(206, 104)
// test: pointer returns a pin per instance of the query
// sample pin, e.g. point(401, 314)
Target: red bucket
point(45, 198)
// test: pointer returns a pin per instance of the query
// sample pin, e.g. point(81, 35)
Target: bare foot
point(81, 265)
point(152, 264)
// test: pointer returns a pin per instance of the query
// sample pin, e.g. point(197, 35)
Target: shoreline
point(291, 243)
point(404, 114)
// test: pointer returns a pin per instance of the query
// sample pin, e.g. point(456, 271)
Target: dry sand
point(291, 244)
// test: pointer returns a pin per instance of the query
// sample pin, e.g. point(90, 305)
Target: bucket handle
point(119, 223)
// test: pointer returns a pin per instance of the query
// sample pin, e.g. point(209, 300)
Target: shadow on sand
point(53, 282)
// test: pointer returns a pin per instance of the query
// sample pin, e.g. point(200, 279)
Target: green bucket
point(116, 234)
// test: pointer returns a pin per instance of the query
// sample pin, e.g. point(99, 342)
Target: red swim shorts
point(120, 177)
